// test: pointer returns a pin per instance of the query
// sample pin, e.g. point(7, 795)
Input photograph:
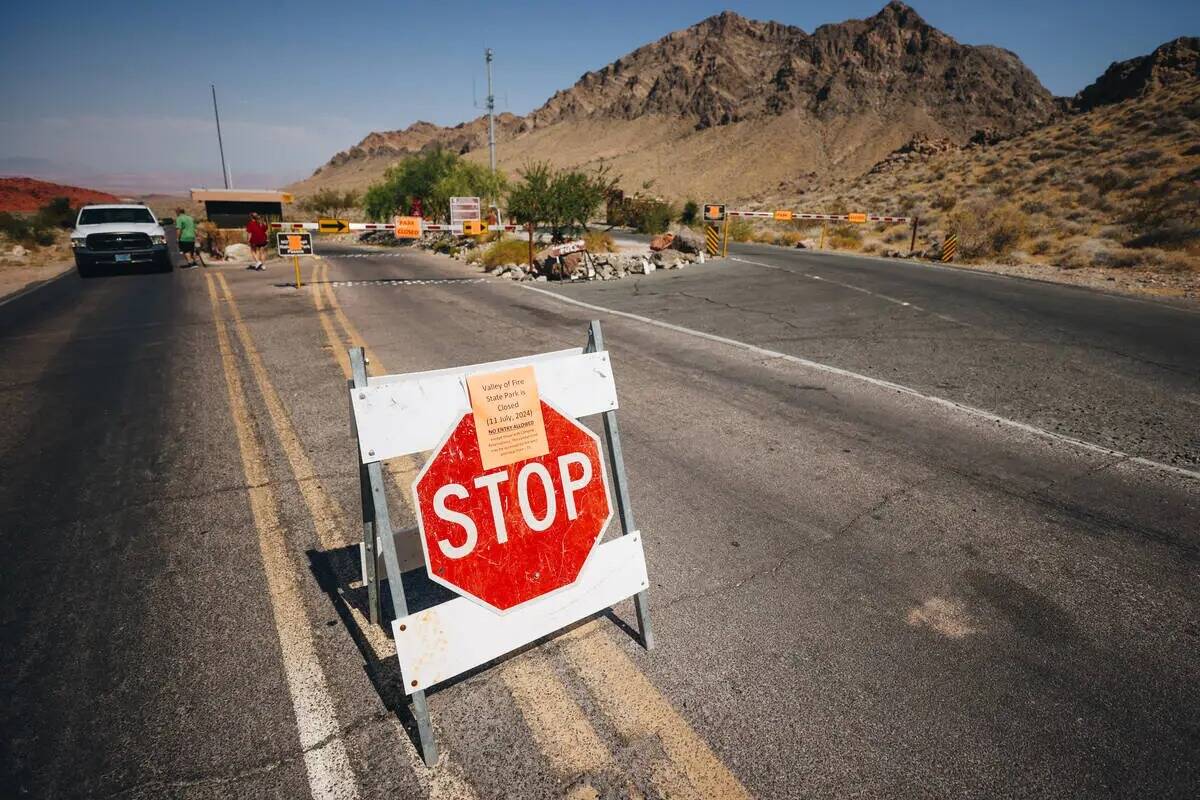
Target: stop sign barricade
point(397, 415)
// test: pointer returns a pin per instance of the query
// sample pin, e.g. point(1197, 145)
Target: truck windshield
point(103, 216)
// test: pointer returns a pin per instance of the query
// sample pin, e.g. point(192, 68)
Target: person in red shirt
point(257, 229)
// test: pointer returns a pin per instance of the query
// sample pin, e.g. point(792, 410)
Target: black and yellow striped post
point(949, 247)
point(712, 240)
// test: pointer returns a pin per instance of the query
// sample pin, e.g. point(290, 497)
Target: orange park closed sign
point(407, 227)
point(857, 217)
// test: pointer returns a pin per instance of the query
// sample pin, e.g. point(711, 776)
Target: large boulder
point(687, 241)
point(668, 259)
point(238, 252)
point(661, 242)
point(642, 266)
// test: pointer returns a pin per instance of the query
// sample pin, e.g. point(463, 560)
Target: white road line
point(852, 287)
point(845, 373)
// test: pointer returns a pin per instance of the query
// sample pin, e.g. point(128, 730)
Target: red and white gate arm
point(825, 217)
point(426, 227)
point(397, 415)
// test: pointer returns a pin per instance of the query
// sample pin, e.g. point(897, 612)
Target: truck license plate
point(120, 257)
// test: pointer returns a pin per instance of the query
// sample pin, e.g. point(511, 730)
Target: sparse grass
point(599, 242)
point(508, 251)
point(740, 230)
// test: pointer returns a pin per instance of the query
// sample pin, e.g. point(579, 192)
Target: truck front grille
point(118, 241)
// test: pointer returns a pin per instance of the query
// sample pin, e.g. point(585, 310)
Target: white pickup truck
point(118, 236)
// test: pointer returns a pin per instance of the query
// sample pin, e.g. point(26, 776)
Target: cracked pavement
point(855, 591)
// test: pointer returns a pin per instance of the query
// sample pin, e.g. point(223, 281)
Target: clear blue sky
point(122, 87)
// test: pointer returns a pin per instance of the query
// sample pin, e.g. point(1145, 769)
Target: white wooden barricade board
point(401, 414)
point(438, 643)
point(396, 415)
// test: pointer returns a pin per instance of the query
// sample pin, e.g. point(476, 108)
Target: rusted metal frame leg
point(358, 371)
point(375, 499)
point(616, 461)
point(383, 528)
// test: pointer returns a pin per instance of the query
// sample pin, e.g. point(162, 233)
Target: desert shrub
point(1034, 207)
point(690, 213)
point(1179, 262)
point(1110, 179)
point(507, 251)
point(788, 238)
point(27, 232)
point(1041, 247)
point(944, 202)
point(652, 216)
point(871, 247)
point(1138, 158)
point(992, 175)
point(599, 242)
point(846, 237)
point(906, 203)
point(897, 234)
point(740, 230)
point(56, 214)
point(1120, 258)
point(1194, 150)
point(988, 231)
point(1166, 215)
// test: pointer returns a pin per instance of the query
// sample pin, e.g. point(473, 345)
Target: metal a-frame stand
point(377, 530)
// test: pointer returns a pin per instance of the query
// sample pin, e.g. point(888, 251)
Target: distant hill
point(731, 107)
point(28, 194)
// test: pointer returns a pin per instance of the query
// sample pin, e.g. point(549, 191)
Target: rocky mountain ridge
point(738, 107)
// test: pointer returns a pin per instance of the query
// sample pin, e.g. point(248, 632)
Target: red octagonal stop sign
point(507, 535)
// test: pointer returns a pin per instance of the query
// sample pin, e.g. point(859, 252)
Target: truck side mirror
point(167, 221)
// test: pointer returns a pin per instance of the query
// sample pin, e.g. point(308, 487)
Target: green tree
point(329, 202)
point(562, 200)
point(434, 176)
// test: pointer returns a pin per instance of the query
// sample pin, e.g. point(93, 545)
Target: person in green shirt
point(185, 224)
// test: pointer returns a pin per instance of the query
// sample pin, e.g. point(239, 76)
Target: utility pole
point(491, 108)
point(220, 144)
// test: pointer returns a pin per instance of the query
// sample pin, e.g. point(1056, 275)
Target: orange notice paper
point(508, 416)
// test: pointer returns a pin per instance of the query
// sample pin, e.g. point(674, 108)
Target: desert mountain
point(733, 107)
point(1177, 61)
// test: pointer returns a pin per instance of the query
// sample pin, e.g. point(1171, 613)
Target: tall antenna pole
point(491, 107)
point(220, 144)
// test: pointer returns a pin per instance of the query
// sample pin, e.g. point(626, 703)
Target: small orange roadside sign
point(473, 227)
point(295, 244)
point(408, 227)
point(714, 212)
point(856, 217)
point(783, 216)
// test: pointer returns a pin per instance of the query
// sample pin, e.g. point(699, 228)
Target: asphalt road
point(858, 589)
